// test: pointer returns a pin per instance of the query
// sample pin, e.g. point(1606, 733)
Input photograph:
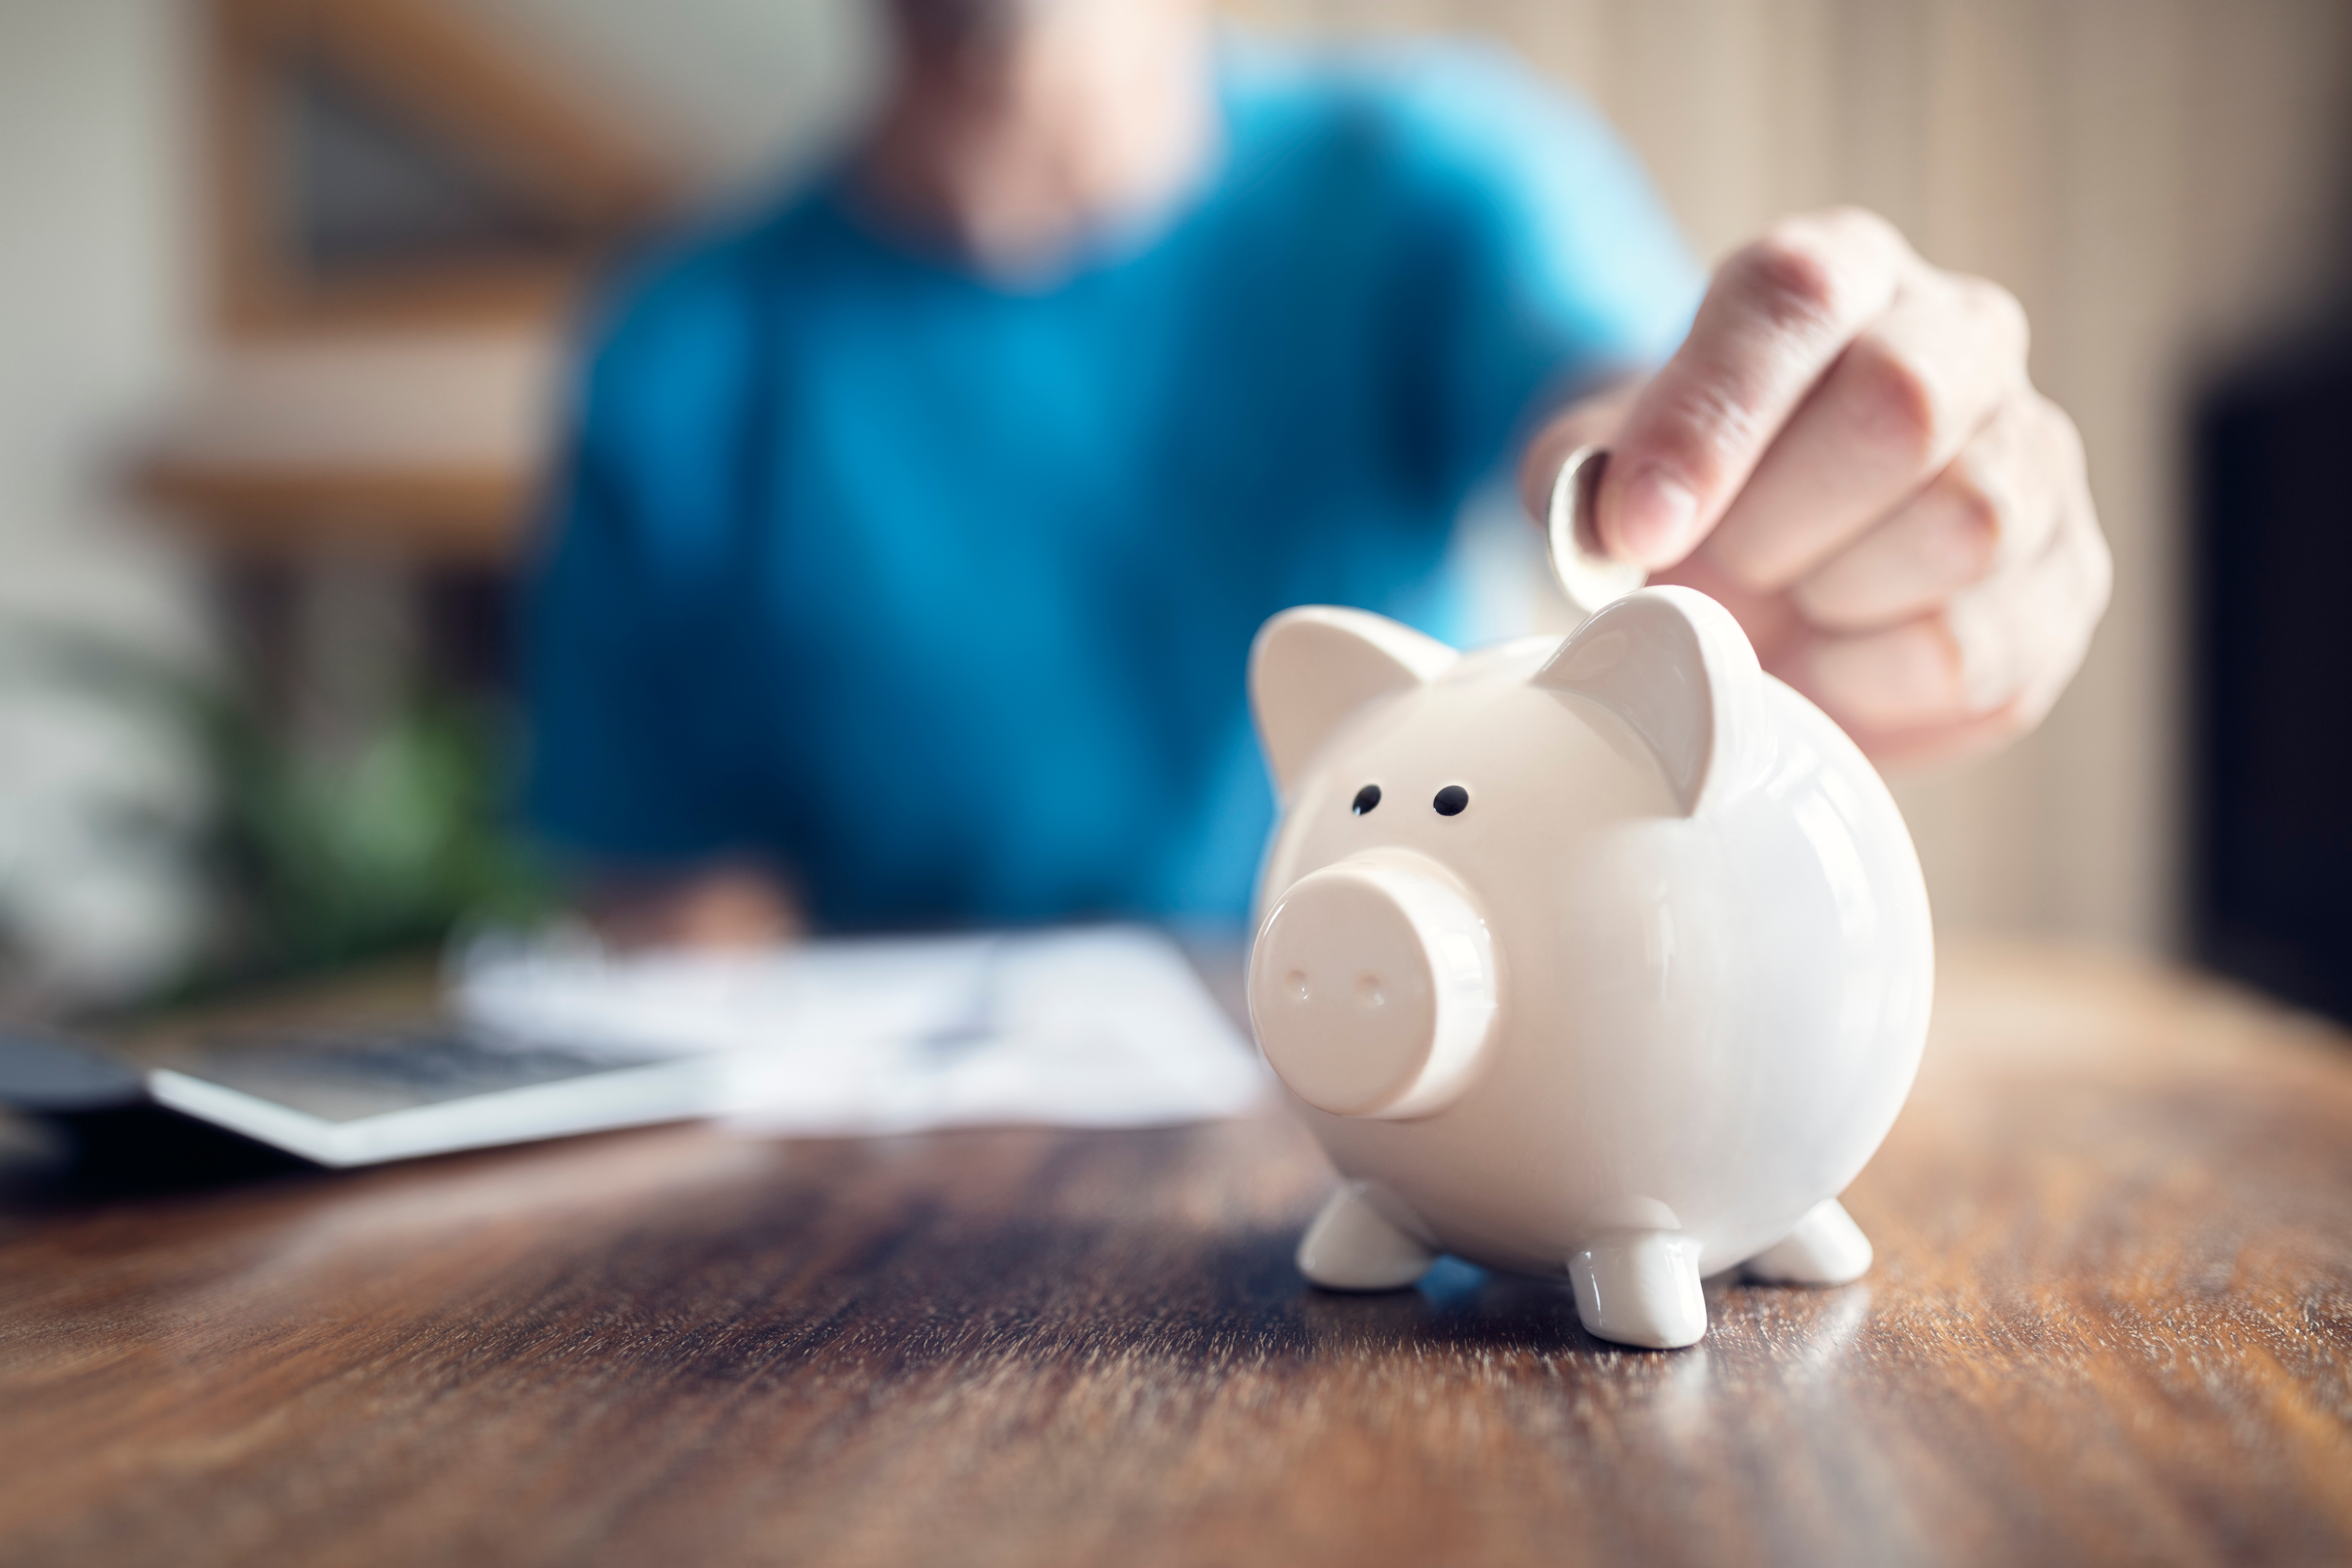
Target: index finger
point(1777, 316)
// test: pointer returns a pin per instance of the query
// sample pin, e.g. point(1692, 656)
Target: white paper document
point(1108, 1027)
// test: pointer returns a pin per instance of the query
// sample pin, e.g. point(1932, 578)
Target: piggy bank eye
point(1366, 798)
point(1451, 800)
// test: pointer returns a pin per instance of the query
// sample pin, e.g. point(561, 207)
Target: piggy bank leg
point(1352, 1247)
point(1641, 1288)
point(1826, 1249)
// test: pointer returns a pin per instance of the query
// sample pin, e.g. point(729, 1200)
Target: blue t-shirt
point(941, 595)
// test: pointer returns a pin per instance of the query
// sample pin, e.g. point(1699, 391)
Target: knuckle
point(1870, 228)
point(1985, 651)
point(2013, 716)
point(2079, 520)
point(1958, 631)
point(2005, 319)
point(1894, 400)
point(2022, 716)
point(1853, 223)
point(1979, 519)
point(2098, 569)
point(1788, 277)
point(2064, 435)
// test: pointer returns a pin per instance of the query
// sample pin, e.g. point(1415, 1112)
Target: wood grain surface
point(2111, 1321)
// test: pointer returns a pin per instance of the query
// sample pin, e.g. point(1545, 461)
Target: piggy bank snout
point(1373, 987)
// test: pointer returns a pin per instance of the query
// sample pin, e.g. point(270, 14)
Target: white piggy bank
point(1607, 956)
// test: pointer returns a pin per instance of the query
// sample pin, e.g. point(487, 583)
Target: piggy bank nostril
point(1360, 1002)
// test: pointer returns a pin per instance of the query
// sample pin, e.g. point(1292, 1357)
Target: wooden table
point(2111, 1321)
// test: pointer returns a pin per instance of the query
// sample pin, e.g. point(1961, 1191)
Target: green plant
point(328, 860)
point(313, 859)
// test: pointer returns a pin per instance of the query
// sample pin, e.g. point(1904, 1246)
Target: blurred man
point(914, 534)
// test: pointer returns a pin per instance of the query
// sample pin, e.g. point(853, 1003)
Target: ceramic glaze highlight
point(1635, 1009)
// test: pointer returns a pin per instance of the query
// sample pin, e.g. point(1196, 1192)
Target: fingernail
point(1653, 519)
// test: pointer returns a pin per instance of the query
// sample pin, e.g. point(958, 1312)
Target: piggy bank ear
point(1673, 664)
point(1313, 666)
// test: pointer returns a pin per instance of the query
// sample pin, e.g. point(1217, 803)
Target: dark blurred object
point(54, 1076)
point(117, 1141)
point(2272, 764)
point(142, 1150)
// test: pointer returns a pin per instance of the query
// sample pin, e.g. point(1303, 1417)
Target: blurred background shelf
point(472, 517)
point(422, 446)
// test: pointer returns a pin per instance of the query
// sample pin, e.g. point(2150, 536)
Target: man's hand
point(720, 907)
point(1847, 453)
